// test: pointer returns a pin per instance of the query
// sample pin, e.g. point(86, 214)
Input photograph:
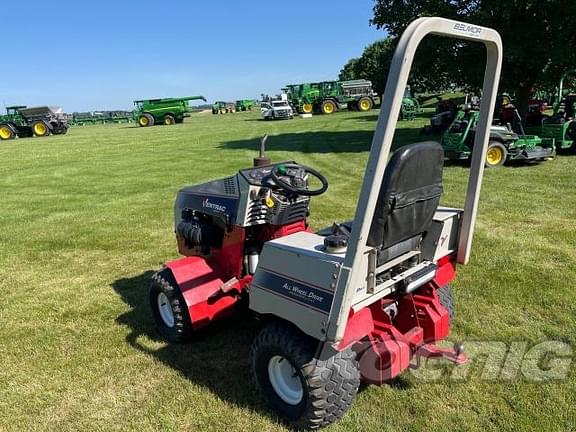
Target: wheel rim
point(307, 108)
point(143, 121)
point(5, 133)
point(328, 108)
point(165, 309)
point(285, 380)
point(494, 156)
point(364, 105)
point(39, 129)
point(168, 121)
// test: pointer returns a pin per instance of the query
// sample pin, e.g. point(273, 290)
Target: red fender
point(200, 284)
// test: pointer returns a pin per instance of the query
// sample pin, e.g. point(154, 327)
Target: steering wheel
point(297, 175)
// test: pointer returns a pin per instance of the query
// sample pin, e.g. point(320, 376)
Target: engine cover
point(245, 199)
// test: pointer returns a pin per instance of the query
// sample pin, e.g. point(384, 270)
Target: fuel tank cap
point(336, 243)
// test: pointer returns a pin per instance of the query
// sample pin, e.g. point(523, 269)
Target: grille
point(230, 186)
point(291, 212)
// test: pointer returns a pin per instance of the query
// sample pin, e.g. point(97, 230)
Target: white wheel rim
point(165, 309)
point(285, 380)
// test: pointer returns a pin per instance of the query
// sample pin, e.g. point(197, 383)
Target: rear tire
point(496, 155)
point(365, 104)
point(447, 300)
point(40, 129)
point(169, 120)
point(169, 308)
point(146, 120)
point(305, 391)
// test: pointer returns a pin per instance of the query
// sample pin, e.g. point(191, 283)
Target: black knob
point(335, 242)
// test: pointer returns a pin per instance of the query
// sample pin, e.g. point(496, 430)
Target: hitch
point(455, 355)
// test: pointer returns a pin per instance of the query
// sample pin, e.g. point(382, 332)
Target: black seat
point(409, 196)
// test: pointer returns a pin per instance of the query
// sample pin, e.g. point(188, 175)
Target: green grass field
point(85, 218)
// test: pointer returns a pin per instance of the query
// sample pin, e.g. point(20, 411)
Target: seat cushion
point(409, 195)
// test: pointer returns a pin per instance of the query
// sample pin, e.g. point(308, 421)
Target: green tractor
point(24, 122)
point(166, 111)
point(505, 145)
point(561, 126)
point(302, 97)
point(244, 105)
point(221, 107)
point(327, 97)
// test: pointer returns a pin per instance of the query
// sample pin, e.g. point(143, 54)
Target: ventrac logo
point(213, 206)
point(467, 28)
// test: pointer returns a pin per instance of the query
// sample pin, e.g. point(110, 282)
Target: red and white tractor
point(361, 300)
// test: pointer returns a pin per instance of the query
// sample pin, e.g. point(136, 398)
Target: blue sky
point(104, 54)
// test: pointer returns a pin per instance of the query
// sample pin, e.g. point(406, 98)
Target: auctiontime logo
point(213, 206)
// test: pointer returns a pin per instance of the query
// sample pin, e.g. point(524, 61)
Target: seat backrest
point(409, 195)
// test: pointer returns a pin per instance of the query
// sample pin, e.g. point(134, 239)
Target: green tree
point(351, 70)
point(538, 36)
point(372, 65)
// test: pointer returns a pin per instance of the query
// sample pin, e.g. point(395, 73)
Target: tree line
point(538, 38)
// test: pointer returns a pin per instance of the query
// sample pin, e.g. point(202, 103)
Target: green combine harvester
point(561, 126)
point(244, 105)
point(24, 122)
point(221, 107)
point(167, 111)
point(327, 97)
point(505, 145)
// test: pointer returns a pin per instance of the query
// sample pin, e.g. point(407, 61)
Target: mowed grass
point(85, 218)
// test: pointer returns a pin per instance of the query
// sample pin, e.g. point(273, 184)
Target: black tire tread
point(332, 384)
point(447, 300)
point(163, 280)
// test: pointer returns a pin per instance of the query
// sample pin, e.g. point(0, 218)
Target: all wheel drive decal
point(309, 296)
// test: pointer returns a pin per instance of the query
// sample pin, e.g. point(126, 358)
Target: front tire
point(169, 120)
point(328, 107)
point(6, 133)
point(307, 108)
point(304, 390)
point(145, 120)
point(496, 155)
point(169, 308)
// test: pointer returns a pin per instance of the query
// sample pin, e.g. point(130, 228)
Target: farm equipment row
point(221, 107)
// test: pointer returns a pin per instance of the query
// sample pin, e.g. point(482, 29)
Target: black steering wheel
point(297, 175)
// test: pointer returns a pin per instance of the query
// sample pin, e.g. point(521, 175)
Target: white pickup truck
point(276, 110)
